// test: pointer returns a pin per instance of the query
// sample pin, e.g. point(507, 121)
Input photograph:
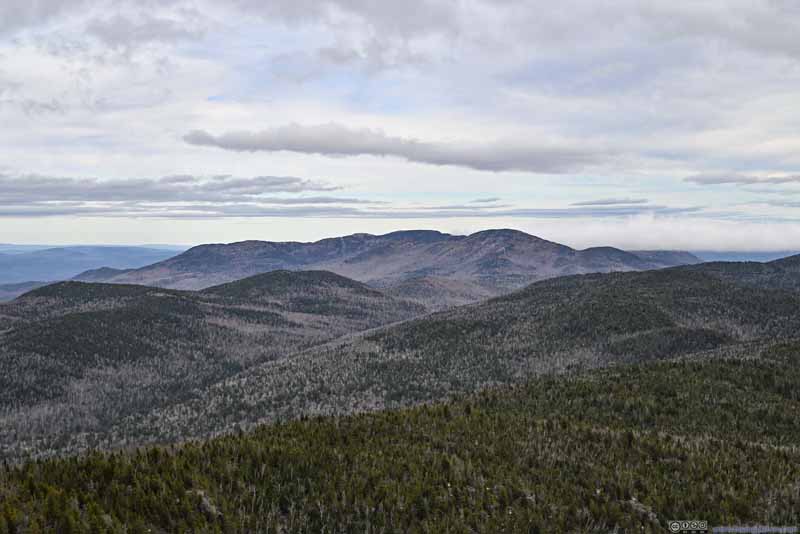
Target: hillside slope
point(553, 326)
point(778, 274)
point(626, 449)
point(490, 262)
point(77, 357)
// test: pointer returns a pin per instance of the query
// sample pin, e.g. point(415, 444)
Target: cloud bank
point(338, 140)
point(741, 179)
point(566, 111)
point(200, 197)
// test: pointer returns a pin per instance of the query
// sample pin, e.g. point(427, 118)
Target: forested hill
point(555, 326)
point(779, 274)
point(77, 357)
point(620, 450)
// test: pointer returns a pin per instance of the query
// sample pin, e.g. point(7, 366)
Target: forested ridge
point(109, 366)
point(75, 358)
point(626, 448)
point(578, 404)
point(555, 326)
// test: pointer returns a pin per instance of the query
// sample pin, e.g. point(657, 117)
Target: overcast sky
point(634, 124)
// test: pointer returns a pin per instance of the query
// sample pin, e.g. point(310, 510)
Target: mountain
point(743, 256)
point(554, 326)
point(102, 274)
point(580, 403)
point(625, 449)
point(778, 274)
point(12, 291)
point(65, 262)
point(668, 257)
point(78, 357)
point(596, 402)
point(490, 263)
point(437, 292)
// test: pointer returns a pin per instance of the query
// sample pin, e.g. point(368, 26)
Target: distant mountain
point(483, 264)
point(9, 292)
point(743, 256)
point(103, 274)
point(65, 262)
point(668, 257)
point(779, 274)
point(12, 291)
point(77, 357)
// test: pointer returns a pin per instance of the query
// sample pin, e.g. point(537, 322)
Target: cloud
point(111, 86)
point(254, 210)
point(119, 31)
point(223, 196)
point(741, 179)
point(337, 140)
point(487, 200)
point(612, 202)
point(28, 189)
point(781, 203)
point(19, 14)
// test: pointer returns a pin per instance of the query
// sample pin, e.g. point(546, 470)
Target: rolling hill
point(12, 291)
point(439, 269)
point(554, 326)
point(582, 403)
point(77, 357)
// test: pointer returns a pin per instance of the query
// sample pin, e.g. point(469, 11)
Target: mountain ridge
point(555, 326)
point(61, 263)
point(75, 356)
point(490, 262)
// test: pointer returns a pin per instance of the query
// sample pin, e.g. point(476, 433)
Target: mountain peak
point(493, 261)
point(503, 233)
point(281, 282)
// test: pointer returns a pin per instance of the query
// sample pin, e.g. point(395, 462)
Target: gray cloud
point(737, 22)
point(487, 200)
point(740, 179)
point(36, 188)
point(187, 197)
point(337, 140)
point(123, 32)
point(18, 14)
point(253, 210)
point(472, 208)
point(406, 19)
point(612, 202)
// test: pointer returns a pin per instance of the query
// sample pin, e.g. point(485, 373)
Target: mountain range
point(438, 269)
point(106, 365)
point(19, 264)
point(304, 400)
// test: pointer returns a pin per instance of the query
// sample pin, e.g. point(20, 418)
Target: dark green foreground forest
point(630, 447)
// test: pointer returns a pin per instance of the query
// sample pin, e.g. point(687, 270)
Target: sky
point(663, 124)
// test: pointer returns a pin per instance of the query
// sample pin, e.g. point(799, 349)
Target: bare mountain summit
point(435, 268)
